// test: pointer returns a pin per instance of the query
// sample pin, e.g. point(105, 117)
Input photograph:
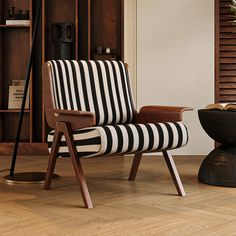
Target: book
point(18, 22)
point(221, 106)
point(16, 91)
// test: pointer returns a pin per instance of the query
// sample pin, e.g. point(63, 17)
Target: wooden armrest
point(76, 119)
point(155, 114)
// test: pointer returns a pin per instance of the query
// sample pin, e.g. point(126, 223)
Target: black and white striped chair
point(90, 107)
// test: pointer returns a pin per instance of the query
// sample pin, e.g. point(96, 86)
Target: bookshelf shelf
point(12, 110)
point(14, 26)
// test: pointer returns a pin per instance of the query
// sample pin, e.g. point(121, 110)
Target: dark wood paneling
point(10, 122)
point(106, 25)
point(217, 43)
point(228, 66)
point(227, 79)
point(1, 80)
point(225, 53)
point(84, 29)
point(228, 85)
point(230, 41)
point(24, 149)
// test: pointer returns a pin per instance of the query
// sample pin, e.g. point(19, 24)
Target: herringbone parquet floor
point(148, 206)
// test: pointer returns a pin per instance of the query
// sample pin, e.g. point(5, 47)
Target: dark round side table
point(219, 166)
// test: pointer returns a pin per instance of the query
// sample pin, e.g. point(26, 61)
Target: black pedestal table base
point(219, 167)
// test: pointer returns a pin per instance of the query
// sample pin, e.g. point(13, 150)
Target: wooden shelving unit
point(15, 42)
point(96, 23)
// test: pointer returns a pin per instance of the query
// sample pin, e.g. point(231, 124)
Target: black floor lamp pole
point(29, 66)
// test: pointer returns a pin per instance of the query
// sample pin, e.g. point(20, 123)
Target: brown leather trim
point(76, 119)
point(155, 114)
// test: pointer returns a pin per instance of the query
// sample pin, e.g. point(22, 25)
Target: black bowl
point(219, 125)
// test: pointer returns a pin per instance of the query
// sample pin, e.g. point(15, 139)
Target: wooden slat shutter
point(225, 53)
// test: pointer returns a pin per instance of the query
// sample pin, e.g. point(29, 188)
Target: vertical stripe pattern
point(101, 87)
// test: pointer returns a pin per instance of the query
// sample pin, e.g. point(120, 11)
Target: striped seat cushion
point(128, 138)
point(101, 87)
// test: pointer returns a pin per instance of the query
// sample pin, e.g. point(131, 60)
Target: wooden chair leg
point(52, 159)
point(174, 173)
point(77, 166)
point(135, 166)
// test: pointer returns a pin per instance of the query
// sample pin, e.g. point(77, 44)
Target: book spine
point(17, 22)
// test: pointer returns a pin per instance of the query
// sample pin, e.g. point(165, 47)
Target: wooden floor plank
point(148, 206)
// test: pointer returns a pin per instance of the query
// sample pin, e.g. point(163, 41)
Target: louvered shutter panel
point(225, 53)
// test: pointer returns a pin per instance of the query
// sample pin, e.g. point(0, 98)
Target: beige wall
point(130, 31)
point(175, 58)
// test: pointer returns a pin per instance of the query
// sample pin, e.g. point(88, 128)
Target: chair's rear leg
point(52, 159)
point(174, 173)
point(135, 166)
point(77, 166)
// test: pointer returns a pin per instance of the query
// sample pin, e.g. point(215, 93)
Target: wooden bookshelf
point(15, 42)
point(96, 23)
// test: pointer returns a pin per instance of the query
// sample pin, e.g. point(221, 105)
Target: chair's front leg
point(135, 166)
point(174, 173)
point(52, 159)
point(77, 165)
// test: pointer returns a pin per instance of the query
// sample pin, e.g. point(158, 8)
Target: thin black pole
point(35, 29)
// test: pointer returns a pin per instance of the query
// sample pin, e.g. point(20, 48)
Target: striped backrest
point(101, 87)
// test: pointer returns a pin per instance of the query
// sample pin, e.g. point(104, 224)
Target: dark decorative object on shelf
point(104, 53)
point(11, 15)
point(219, 167)
point(63, 38)
point(108, 50)
point(99, 49)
